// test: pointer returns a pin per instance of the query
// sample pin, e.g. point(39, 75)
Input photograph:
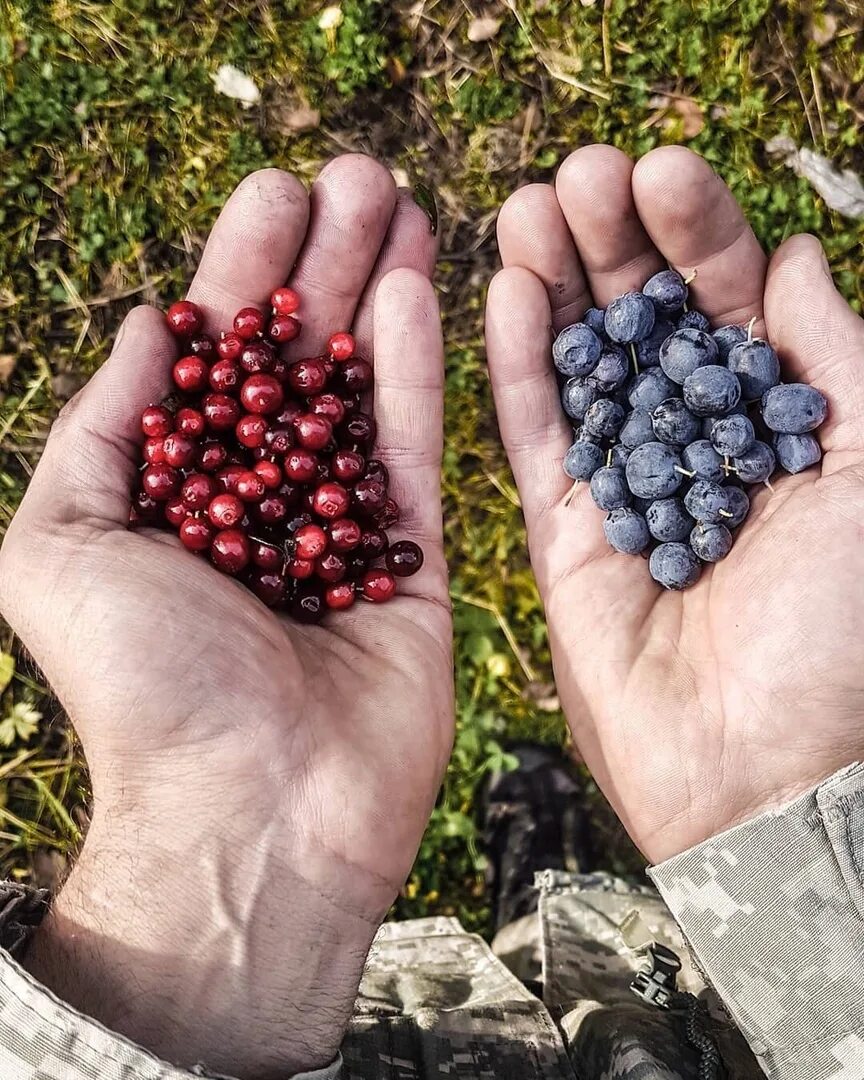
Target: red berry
point(229, 551)
point(351, 403)
point(175, 512)
point(329, 406)
point(355, 376)
point(307, 376)
point(330, 567)
point(212, 455)
point(404, 558)
point(145, 507)
point(313, 432)
point(311, 542)
point(359, 430)
point(198, 491)
point(203, 346)
point(266, 556)
point(374, 543)
point(378, 586)
point(226, 511)
point(179, 450)
point(269, 587)
point(283, 329)
point(227, 478)
point(250, 486)
point(270, 473)
point(345, 534)
point(190, 373)
point(299, 568)
point(262, 394)
point(331, 501)
point(258, 356)
point(285, 301)
point(279, 440)
point(306, 603)
point(220, 411)
point(156, 421)
point(154, 451)
point(190, 422)
point(184, 318)
point(271, 510)
point(248, 323)
point(301, 466)
point(196, 534)
point(224, 376)
point(389, 515)
point(251, 431)
point(161, 482)
point(377, 470)
point(369, 496)
point(348, 465)
point(230, 345)
point(340, 596)
point(290, 411)
point(341, 346)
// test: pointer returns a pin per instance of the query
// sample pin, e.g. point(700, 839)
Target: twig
point(493, 609)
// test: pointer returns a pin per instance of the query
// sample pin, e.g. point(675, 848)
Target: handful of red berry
point(265, 465)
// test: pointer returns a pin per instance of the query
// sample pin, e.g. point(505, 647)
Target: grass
point(115, 155)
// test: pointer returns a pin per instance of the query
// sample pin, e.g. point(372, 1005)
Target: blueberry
point(796, 452)
point(596, 319)
point(582, 434)
point(612, 369)
point(667, 291)
point(649, 388)
point(712, 391)
point(739, 506)
point(674, 566)
point(707, 503)
point(674, 423)
point(609, 488)
point(637, 429)
point(693, 320)
point(652, 471)
point(794, 408)
point(709, 421)
point(648, 350)
point(630, 317)
point(618, 455)
point(604, 418)
point(701, 458)
point(732, 436)
point(576, 350)
point(576, 397)
point(756, 365)
point(711, 542)
point(626, 531)
point(582, 460)
point(756, 464)
point(668, 520)
point(726, 337)
point(685, 351)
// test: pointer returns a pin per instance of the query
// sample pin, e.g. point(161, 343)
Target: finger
point(409, 403)
point(533, 233)
point(696, 223)
point(252, 247)
point(820, 340)
point(410, 244)
point(352, 201)
point(88, 467)
point(595, 193)
point(533, 427)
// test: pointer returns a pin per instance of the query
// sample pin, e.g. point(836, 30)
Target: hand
point(261, 787)
point(700, 709)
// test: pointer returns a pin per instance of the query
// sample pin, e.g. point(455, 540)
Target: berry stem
point(725, 513)
point(685, 472)
point(635, 360)
point(750, 326)
point(571, 493)
point(691, 277)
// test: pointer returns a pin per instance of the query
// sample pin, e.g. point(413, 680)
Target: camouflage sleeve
point(41, 1038)
point(773, 910)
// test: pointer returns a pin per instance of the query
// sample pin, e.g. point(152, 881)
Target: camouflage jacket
point(772, 912)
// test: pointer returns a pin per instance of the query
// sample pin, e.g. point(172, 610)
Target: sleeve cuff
point(773, 910)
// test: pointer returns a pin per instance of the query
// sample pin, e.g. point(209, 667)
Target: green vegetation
point(116, 153)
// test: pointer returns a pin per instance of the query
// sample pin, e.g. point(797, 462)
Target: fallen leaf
point(691, 115)
point(232, 82)
point(842, 190)
point(7, 365)
point(822, 28)
point(483, 29)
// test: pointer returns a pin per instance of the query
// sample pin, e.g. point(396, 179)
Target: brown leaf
point(691, 115)
point(483, 29)
point(7, 365)
point(822, 28)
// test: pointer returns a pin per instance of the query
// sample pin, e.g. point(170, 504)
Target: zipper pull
point(657, 984)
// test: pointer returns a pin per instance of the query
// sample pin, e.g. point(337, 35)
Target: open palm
point(693, 710)
point(300, 762)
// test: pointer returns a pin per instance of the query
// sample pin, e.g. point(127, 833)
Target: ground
point(116, 153)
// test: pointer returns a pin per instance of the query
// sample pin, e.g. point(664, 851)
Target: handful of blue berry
point(674, 422)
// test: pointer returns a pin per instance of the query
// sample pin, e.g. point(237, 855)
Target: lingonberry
point(306, 603)
point(226, 511)
point(329, 365)
point(224, 376)
point(251, 431)
point(156, 421)
point(389, 515)
point(279, 370)
point(355, 376)
point(313, 432)
point(179, 450)
point(307, 377)
point(220, 411)
point(230, 346)
point(341, 346)
point(290, 411)
point(348, 465)
point(184, 318)
point(341, 596)
point(203, 346)
point(230, 551)
point(329, 406)
point(212, 455)
point(331, 501)
point(359, 430)
point(351, 403)
point(161, 482)
point(374, 543)
point(311, 541)
point(285, 301)
point(250, 487)
point(271, 510)
point(404, 558)
point(378, 586)
point(198, 491)
point(279, 440)
point(266, 556)
point(145, 507)
point(176, 512)
point(299, 568)
point(227, 477)
point(190, 374)
point(269, 587)
point(258, 356)
point(345, 534)
point(357, 566)
point(270, 473)
point(377, 470)
point(330, 567)
point(190, 422)
point(369, 496)
point(301, 465)
point(154, 451)
point(196, 534)
point(262, 394)
point(296, 523)
point(248, 323)
point(283, 328)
